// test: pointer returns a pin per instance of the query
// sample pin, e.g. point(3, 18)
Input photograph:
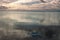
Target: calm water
point(16, 24)
point(44, 18)
point(9, 20)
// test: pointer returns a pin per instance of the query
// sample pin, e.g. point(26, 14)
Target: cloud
point(30, 3)
point(26, 2)
point(7, 1)
point(33, 5)
point(3, 8)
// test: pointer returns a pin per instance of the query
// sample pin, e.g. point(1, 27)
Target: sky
point(29, 4)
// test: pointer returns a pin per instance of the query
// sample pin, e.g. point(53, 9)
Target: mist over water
point(44, 18)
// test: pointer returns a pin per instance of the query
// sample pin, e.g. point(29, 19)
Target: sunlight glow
point(23, 1)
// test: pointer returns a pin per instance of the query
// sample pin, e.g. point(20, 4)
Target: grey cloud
point(7, 1)
point(30, 3)
point(3, 8)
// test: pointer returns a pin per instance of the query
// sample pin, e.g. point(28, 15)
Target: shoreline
point(53, 10)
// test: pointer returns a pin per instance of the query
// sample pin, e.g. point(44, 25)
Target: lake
point(43, 18)
point(19, 23)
